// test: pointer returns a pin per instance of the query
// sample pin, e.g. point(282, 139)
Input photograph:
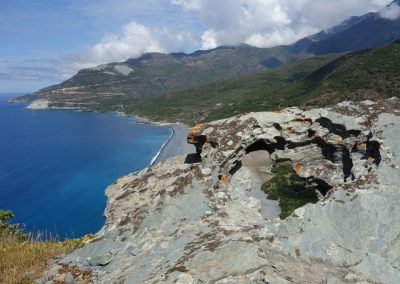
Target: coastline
point(162, 147)
point(175, 145)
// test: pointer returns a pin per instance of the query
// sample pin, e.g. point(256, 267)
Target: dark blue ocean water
point(55, 164)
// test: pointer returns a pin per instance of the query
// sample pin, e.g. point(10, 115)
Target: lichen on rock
point(205, 222)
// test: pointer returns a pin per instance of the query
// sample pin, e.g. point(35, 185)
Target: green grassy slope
point(375, 69)
point(255, 92)
point(316, 81)
point(157, 74)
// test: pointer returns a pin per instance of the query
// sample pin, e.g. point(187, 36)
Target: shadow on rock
point(193, 158)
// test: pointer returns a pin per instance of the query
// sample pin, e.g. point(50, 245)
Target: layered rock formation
point(191, 220)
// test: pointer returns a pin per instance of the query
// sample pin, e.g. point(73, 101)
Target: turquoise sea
point(56, 164)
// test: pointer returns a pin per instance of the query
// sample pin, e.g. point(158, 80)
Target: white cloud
point(265, 23)
point(186, 25)
point(392, 12)
point(188, 5)
point(209, 39)
point(134, 40)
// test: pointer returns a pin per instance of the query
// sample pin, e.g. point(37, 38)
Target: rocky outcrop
point(39, 104)
point(203, 220)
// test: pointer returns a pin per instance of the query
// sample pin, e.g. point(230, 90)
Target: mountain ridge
point(318, 81)
point(157, 74)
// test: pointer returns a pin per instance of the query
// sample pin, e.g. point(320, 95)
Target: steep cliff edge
point(191, 220)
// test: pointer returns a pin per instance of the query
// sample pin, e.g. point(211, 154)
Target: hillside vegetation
point(317, 81)
point(23, 256)
point(157, 74)
point(110, 86)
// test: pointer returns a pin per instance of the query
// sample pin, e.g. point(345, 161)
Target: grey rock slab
point(389, 169)
point(175, 222)
point(69, 279)
point(233, 258)
point(101, 260)
point(53, 271)
point(349, 122)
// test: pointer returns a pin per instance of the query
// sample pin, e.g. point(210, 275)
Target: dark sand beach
point(176, 145)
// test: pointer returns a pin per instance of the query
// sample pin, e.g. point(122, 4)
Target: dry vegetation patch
point(25, 261)
point(23, 257)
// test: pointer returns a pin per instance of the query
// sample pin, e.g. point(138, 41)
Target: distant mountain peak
point(391, 11)
point(391, 4)
point(360, 32)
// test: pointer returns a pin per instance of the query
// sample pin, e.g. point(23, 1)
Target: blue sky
point(43, 42)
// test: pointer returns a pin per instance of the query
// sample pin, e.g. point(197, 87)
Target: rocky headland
point(204, 219)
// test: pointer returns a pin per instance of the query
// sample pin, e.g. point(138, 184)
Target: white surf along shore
point(162, 147)
point(175, 145)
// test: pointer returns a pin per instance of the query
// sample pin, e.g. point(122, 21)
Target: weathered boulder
point(207, 222)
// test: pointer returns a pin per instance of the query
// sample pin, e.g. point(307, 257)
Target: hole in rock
point(292, 145)
point(373, 152)
point(258, 146)
point(310, 133)
point(335, 154)
point(353, 132)
point(322, 186)
point(261, 144)
point(237, 165)
point(277, 126)
point(328, 150)
point(347, 163)
point(337, 129)
point(257, 159)
point(193, 158)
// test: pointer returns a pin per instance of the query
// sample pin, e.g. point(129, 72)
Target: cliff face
point(192, 221)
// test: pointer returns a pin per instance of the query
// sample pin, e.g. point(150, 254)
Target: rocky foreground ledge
point(191, 221)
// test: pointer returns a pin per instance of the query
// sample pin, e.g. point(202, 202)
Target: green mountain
point(137, 85)
point(366, 31)
point(157, 74)
point(320, 81)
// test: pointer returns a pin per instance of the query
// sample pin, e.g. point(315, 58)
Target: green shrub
point(289, 189)
point(10, 230)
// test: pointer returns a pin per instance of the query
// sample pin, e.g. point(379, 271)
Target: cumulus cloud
point(266, 23)
point(134, 40)
point(391, 12)
point(187, 25)
point(261, 23)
